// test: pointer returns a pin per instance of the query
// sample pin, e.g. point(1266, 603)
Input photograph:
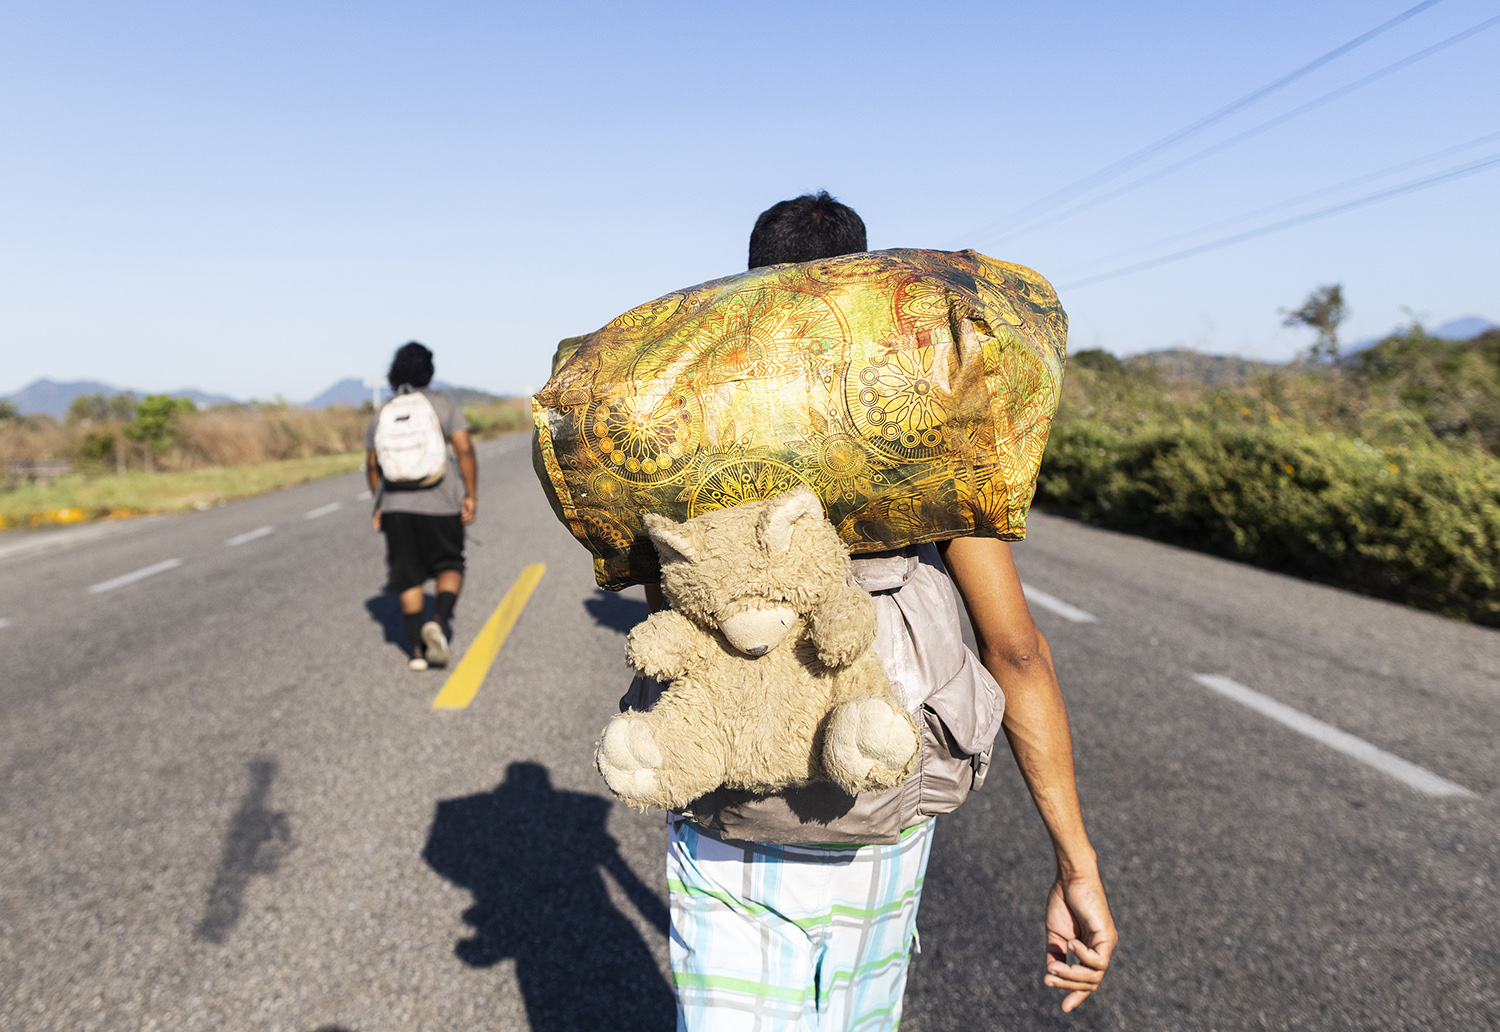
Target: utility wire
point(1271, 123)
point(1423, 183)
point(1108, 172)
point(1401, 166)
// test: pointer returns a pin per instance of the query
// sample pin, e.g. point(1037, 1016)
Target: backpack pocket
point(958, 723)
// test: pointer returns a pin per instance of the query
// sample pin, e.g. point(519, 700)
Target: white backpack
point(409, 442)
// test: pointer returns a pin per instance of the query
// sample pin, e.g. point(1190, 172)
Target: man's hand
point(467, 508)
point(1078, 920)
point(375, 519)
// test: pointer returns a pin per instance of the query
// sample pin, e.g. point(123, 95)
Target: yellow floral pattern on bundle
point(912, 390)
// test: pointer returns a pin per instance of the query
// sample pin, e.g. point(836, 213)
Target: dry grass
point(229, 435)
point(80, 497)
point(238, 437)
point(226, 452)
point(498, 417)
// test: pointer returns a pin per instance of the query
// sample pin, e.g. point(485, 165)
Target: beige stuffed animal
point(767, 648)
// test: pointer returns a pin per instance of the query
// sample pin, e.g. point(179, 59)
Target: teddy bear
point(767, 648)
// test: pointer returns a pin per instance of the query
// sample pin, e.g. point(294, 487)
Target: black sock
point(414, 622)
point(446, 600)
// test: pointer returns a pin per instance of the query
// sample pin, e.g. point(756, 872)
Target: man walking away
point(422, 501)
point(769, 933)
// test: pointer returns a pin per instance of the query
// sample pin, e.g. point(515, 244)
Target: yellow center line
point(464, 682)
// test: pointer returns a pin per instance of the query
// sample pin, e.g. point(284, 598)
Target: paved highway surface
point(228, 805)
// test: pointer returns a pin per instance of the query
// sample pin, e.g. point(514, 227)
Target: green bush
point(1451, 385)
point(155, 422)
point(98, 408)
point(1416, 523)
point(96, 446)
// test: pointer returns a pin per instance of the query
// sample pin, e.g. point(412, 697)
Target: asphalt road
point(227, 803)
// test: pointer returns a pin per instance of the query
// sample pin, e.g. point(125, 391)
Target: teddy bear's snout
point(757, 631)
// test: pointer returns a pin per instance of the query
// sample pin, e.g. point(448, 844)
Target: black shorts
point(419, 547)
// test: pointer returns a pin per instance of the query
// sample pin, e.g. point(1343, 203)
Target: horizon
point(440, 384)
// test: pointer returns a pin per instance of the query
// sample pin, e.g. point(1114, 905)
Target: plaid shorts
point(767, 938)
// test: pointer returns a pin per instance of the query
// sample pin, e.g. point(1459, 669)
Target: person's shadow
point(532, 856)
point(385, 609)
point(615, 611)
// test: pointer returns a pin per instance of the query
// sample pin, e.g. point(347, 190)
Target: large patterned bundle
point(912, 390)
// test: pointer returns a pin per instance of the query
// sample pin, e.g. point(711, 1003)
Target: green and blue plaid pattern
point(776, 938)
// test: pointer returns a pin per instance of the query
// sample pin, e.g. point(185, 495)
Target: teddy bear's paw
point(629, 759)
point(870, 745)
point(844, 626)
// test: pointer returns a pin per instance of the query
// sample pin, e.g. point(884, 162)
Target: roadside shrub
point(1415, 523)
point(155, 422)
point(98, 408)
point(96, 446)
point(1453, 386)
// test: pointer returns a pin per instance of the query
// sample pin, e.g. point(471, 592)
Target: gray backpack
point(956, 703)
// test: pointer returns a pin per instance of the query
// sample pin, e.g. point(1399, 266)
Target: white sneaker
point(436, 642)
point(417, 663)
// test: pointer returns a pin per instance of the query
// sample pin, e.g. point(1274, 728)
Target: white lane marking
point(363, 496)
point(250, 535)
point(34, 541)
point(4, 622)
point(1037, 597)
point(322, 510)
point(131, 578)
point(1420, 778)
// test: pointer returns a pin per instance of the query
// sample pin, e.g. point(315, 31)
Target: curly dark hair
point(805, 229)
point(412, 366)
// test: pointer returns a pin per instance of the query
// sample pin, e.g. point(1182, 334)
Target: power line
point(1408, 187)
point(1271, 123)
point(1401, 166)
point(1150, 150)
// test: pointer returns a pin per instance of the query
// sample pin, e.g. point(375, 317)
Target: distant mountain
point(352, 391)
point(51, 398)
point(349, 391)
point(1463, 328)
point(466, 395)
point(203, 399)
point(1196, 367)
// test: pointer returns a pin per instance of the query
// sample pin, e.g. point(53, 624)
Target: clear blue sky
point(261, 198)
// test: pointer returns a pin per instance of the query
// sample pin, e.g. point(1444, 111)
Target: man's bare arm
point(372, 478)
point(1016, 654)
point(468, 468)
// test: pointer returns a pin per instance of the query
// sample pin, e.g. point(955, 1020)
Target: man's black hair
point(412, 365)
point(805, 229)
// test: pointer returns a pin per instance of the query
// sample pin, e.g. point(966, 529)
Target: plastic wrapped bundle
point(912, 390)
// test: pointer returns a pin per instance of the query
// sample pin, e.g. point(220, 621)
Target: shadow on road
point(532, 856)
point(385, 609)
point(615, 611)
point(256, 840)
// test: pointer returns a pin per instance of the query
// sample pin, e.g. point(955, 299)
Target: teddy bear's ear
point(672, 540)
point(775, 526)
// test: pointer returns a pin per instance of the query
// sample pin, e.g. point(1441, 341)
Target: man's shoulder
point(449, 412)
